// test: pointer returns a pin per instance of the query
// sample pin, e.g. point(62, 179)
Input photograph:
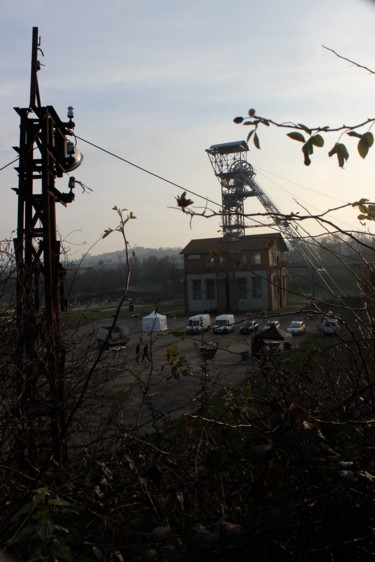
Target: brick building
point(235, 275)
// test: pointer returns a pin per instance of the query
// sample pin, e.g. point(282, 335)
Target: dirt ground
point(144, 390)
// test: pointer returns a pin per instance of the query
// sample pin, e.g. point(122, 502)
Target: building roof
point(254, 242)
point(228, 147)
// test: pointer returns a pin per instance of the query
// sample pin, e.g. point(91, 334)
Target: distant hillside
point(113, 258)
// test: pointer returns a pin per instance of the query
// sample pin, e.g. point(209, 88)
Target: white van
point(198, 323)
point(224, 324)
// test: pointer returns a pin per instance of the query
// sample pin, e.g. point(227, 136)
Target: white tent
point(154, 322)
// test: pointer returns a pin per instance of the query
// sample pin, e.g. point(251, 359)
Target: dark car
point(249, 327)
point(270, 323)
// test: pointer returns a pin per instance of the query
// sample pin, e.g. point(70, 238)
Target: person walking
point(145, 354)
point(137, 351)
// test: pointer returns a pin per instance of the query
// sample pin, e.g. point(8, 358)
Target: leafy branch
point(312, 137)
point(124, 219)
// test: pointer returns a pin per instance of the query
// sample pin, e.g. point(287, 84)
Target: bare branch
point(349, 60)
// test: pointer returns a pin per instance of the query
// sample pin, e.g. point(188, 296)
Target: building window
point(210, 289)
point(239, 258)
point(194, 257)
point(242, 287)
point(225, 259)
point(257, 287)
point(197, 290)
point(209, 260)
point(255, 258)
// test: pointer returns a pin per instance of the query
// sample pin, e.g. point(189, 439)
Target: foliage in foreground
point(281, 468)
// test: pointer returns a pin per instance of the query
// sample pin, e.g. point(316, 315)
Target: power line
point(9, 164)
point(149, 172)
point(298, 185)
point(206, 199)
point(300, 201)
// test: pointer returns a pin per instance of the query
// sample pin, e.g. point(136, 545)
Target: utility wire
point(148, 172)
point(165, 179)
point(181, 187)
point(9, 164)
point(260, 170)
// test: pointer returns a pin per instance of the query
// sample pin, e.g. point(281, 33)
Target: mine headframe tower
point(47, 150)
point(229, 162)
point(237, 179)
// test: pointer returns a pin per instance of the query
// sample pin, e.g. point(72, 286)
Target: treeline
point(152, 273)
point(158, 270)
point(347, 248)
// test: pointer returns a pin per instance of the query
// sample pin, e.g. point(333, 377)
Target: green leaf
point(310, 146)
point(295, 135)
point(369, 137)
point(333, 150)
point(29, 506)
point(256, 141)
point(348, 477)
point(362, 217)
point(307, 150)
point(354, 134)
point(61, 551)
point(59, 502)
point(342, 154)
point(45, 529)
point(23, 535)
point(250, 135)
point(107, 232)
point(317, 140)
point(363, 148)
point(97, 552)
point(238, 120)
point(364, 144)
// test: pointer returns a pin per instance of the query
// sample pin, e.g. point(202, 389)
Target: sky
point(157, 82)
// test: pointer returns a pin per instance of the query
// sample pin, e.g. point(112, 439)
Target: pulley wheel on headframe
point(242, 166)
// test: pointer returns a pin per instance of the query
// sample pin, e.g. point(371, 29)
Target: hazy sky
point(157, 82)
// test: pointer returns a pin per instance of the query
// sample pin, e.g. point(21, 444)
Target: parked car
point(331, 326)
point(249, 327)
point(297, 328)
point(113, 336)
point(270, 323)
point(224, 323)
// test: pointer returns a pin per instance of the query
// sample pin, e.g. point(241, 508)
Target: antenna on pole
point(35, 66)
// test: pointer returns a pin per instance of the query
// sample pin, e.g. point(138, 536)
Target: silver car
point(297, 328)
